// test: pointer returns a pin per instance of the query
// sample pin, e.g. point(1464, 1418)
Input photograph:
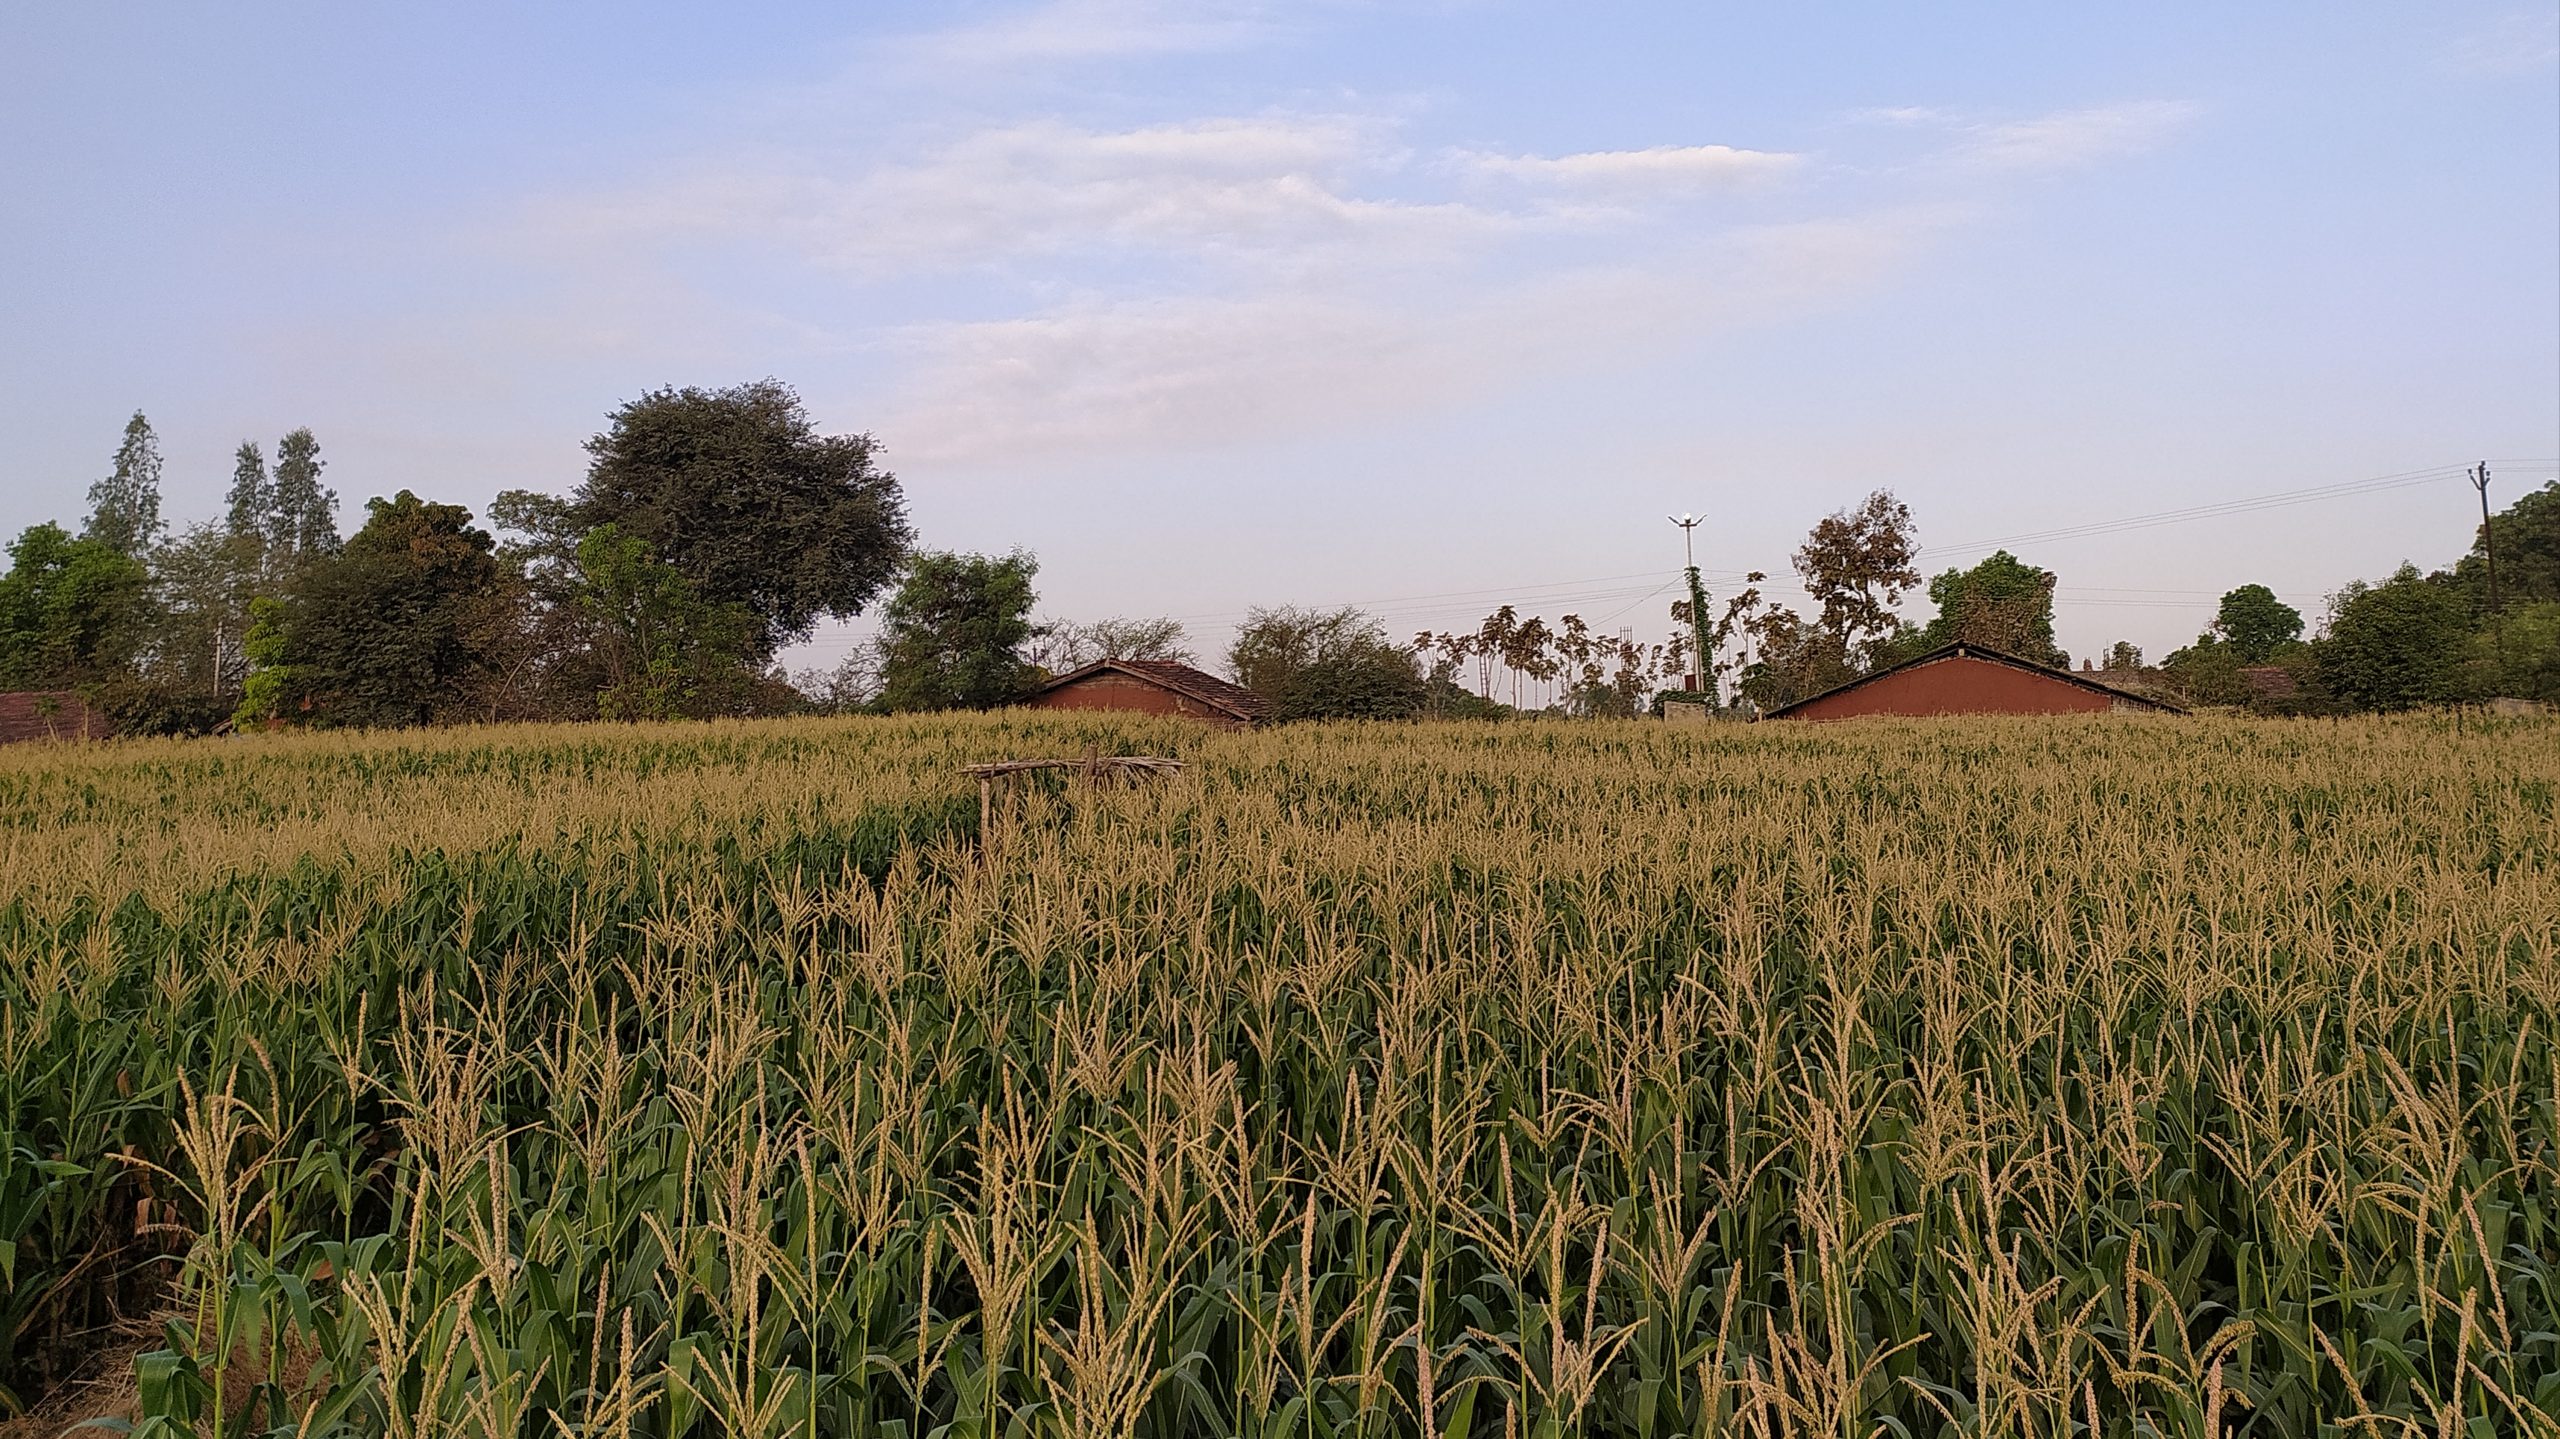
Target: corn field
point(1992, 1077)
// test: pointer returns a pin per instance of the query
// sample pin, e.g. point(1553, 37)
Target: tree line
point(2410, 640)
point(716, 527)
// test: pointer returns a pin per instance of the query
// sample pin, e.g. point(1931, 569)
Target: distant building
point(1158, 687)
point(49, 714)
point(1962, 679)
point(2268, 683)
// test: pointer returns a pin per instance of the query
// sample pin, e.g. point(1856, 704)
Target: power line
point(2219, 510)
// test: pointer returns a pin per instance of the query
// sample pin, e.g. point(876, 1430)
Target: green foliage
point(1796, 660)
point(145, 706)
point(668, 652)
point(202, 581)
point(302, 516)
point(72, 611)
point(1358, 677)
point(952, 636)
point(2528, 539)
point(738, 491)
point(124, 508)
point(2208, 672)
point(2255, 624)
point(2520, 656)
point(2001, 603)
point(1275, 642)
point(2395, 645)
point(273, 682)
point(252, 495)
point(389, 632)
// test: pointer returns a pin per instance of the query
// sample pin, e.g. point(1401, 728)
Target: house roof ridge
point(1972, 649)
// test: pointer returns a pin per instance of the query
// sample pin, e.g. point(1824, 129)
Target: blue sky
point(1421, 305)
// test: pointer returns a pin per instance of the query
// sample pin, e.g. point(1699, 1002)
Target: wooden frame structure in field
point(1093, 766)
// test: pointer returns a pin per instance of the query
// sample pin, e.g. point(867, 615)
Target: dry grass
point(1988, 1077)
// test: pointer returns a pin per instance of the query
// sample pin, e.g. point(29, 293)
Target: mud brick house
point(1967, 679)
point(1162, 687)
point(48, 714)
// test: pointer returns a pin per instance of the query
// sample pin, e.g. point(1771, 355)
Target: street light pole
point(1701, 660)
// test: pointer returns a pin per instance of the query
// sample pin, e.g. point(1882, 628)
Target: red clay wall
point(53, 714)
point(1127, 692)
point(1958, 685)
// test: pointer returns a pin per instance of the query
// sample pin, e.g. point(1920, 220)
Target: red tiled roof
point(1180, 678)
point(1966, 649)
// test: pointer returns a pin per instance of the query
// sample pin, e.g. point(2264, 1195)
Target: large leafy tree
point(2003, 603)
point(2256, 624)
point(71, 610)
point(388, 632)
point(124, 508)
point(1857, 564)
point(1328, 664)
point(203, 581)
point(1796, 660)
point(1275, 642)
point(1366, 676)
point(953, 634)
point(666, 652)
point(2395, 645)
point(2528, 539)
point(738, 491)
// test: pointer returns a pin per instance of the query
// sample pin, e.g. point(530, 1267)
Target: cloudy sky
point(1422, 305)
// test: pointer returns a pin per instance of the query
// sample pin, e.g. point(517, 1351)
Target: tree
point(2002, 603)
point(1365, 676)
point(1857, 564)
point(1276, 642)
point(124, 508)
point(252, 496)
point(2395, 645)
point(2208, 671)
point(2528, 538)
point(952, 635)
point(1797, 660)
point(739, 492)
point(1065, 645)
point(2256, 624)
point(2521, 657)
point(302, 517)
point(667, 652)
point(202, 581)
point(390, 631)
point(71, 610)
point(853, 685)
point(2123, 657)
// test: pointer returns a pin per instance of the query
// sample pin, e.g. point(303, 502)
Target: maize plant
point(2110, 1077)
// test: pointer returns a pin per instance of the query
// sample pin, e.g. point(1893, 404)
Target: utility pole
point(1704, 661)
point(2489, 550)
point(2488, 538)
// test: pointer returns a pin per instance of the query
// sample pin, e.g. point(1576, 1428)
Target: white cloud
point(1269, 189)
point(1661, 167)
point(1061, 31)
point(2524, 43)
point(1237, 277)
point(2069, 139)
point(1101, 376)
